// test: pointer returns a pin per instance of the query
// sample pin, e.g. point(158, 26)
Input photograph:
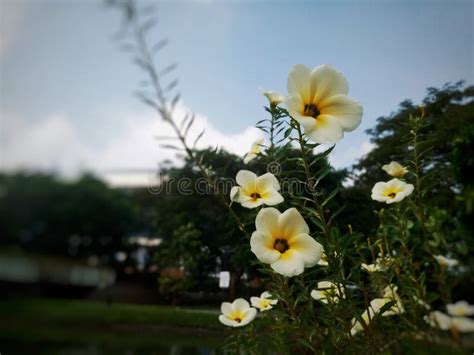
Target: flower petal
point(249, 316)
point(251, 203)
point(347, 111)
point(327, 130)
point(234, 193)
point(262, 246)
point(266, 221)
point(226, 308)
point(249, 157)
point(226, 321)
point(291, 223)
point(325, 82)
point(309, 249)
point(271, 198)
point(246, 179)
point(255, 301)
point(267, 181)
point(240, 305)
point(298, 82)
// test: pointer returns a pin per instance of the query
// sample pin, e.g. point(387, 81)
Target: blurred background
point(95, 238)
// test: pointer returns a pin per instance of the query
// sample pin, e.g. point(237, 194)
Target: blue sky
point(66, 89)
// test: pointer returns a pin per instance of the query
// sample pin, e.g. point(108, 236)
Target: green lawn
point(62, 324)
point(66, 327)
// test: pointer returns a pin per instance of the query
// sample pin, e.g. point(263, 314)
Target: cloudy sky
point(66, 90)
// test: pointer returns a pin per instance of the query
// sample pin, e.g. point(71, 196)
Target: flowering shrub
point(313, 269)
point(328, 289)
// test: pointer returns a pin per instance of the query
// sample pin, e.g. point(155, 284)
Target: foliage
point(386, 283)
point(448, 134)
point(42, 212)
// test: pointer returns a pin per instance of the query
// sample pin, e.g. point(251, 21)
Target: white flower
point(237, 313)
point(255, 149)
point(446, 262)
point(256, 191)
point(318, 101)
point(372, 267)
point(390, 294)
point(282, 240)
point(367, 316)
point(274, 98)
point(264, 302)
point(392, 191)
point(395, 169)
point(442, 321)
point(328, 292)
point(462, 324)
point(460, 308)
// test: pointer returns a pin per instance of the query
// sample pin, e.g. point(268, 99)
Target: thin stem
point(167, 115)
point(309, 177)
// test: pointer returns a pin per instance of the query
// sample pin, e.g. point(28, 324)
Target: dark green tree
point(448, 147)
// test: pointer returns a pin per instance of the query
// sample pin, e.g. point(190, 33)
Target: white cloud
point(343, 157)
point(51, 144)
point(54, 143)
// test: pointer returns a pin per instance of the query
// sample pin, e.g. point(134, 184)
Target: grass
point(100, 313)
point(47, 324)
point(44, 326)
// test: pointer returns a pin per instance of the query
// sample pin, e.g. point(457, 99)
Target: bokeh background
point(88, 237)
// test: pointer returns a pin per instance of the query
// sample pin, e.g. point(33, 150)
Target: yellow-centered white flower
point(328, 292)
point(395, 169)
point(460, 309)
point(255, 149)
point(237, 313)
point(283, 241)
point(446, 262)
point(274, 98)
point(392, 191)
point(264, 302)
point(254, 191)
point(318, 100)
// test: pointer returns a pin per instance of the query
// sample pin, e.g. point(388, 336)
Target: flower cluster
point(457, 319)
point(320, 111)
point(240, 313)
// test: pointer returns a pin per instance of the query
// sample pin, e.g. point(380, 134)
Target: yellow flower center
point(255, 196)
point(237, 316)
point(281, 245)
point(264, 303)
point(311, 110)
point(392, 195)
